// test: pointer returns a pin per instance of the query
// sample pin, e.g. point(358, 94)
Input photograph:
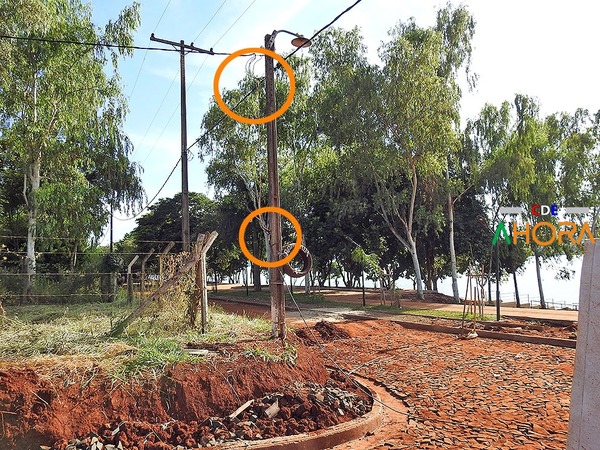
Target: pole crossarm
point(181, 45)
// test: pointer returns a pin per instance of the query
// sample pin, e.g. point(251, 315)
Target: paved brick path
point(464, 393)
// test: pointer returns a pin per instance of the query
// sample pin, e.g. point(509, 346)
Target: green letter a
point(501, 228)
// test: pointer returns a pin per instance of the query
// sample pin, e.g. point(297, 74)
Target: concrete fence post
point(584, 420)
point(143, 275)
point(130, 280)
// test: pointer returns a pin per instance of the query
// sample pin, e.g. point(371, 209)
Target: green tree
point(62, 113)
point(419, 110)
point(161, 225)
point(506, 174)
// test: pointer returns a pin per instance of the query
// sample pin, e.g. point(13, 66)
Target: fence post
point(143, 278)
point(129, 280)
point(161, 258)
point(201, 289)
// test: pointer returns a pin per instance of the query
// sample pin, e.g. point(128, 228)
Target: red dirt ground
point(39, 410)
point(450, 393)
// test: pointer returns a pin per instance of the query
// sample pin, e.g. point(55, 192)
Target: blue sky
point(545, 49)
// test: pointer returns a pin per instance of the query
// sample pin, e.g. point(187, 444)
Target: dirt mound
point(39, 410)
point(299, 408)
point(324, 331)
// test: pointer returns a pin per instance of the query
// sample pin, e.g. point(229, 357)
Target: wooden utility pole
point(275, 241)
point(185, 196)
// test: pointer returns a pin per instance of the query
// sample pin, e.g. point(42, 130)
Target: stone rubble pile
point(299, 408)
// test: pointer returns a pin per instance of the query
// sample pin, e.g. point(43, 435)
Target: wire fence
point(72, 287)
point(531, 301)
point(64, 277)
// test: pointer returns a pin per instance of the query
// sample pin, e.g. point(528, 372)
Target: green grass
point(53, 332)
point(425, 312)
point(287, 356)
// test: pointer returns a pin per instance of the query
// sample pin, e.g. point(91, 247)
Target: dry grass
point(71, 339)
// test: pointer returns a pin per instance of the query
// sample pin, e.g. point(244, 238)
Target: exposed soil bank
point(52, 408)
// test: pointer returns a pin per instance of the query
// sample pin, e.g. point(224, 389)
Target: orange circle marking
point(260, 262)
point(260, 120)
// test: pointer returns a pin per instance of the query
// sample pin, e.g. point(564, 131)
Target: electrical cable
point(166, 124)
point(43, 238)
point(137, 77)
point(193, 79)
point(100, 44)
point(327, 26)
point(92, 44)
point(218, 40)
point(322, 348)
point(210, 20)
point(166, 49)
point(224, 116)
point(236, 21)
point(153, 198)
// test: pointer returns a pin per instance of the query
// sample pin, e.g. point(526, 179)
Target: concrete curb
point(318, 440)
point(557, 342)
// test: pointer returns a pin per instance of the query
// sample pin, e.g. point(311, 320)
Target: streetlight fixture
point(275, 239)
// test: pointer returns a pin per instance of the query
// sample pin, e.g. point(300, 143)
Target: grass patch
point(50, 333)
point(152, 355)
point(426, 312)
point(288, 355)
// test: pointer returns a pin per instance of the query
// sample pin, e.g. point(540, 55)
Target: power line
point(210, 20)
point(100, 44)
point(238, 103)
point(153, 198)
point(236, 21)
point(91, 44)
point(224, 116)
point(328, 25)
point(146, 52)
point(193, 79)
point(156, 115)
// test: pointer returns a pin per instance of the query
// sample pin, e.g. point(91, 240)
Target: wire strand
point(153, 198)
point(137, 77)
point(90, 44)
point(225, 116)
point(324, 350)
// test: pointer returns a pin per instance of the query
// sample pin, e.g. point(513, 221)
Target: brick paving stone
point(467, 393)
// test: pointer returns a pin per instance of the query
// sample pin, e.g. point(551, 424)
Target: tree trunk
point(33, 181)
point(74, 259)
point(255, 269)
point(455, 293)
point(513, 270)
point(538, 270)
point(517, 298)
point(30, 188)
point(417, 267)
